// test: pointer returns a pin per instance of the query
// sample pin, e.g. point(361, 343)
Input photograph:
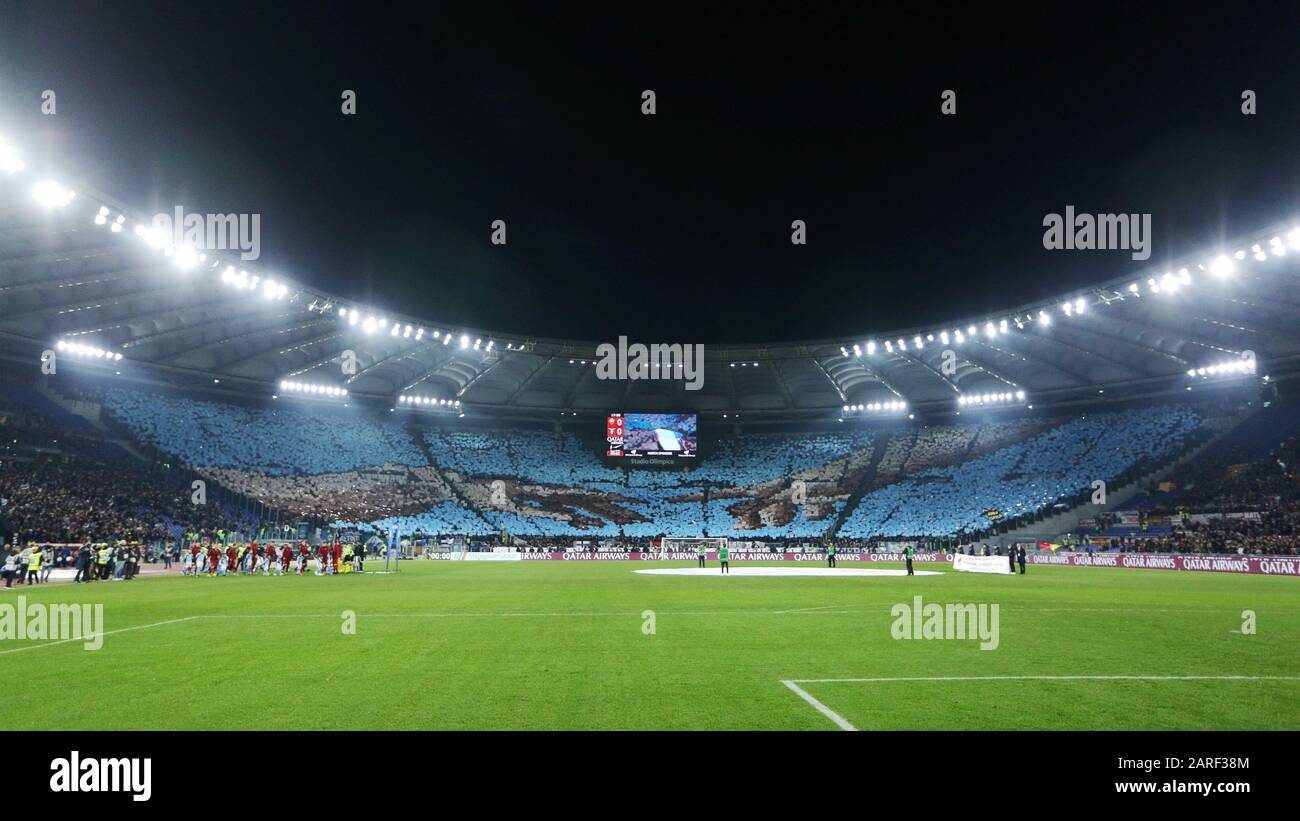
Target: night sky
point(672, 227)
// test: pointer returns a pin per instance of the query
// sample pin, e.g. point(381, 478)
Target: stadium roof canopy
point(88, 273)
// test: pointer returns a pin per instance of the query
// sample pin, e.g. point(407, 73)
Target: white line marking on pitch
point(793, 684)
point(444, 615)
point(828, 607)
point(786, 571)
point(93, 636)
point(630, 614)
point(821, 708)
point(1043, 678)
point(884, 608)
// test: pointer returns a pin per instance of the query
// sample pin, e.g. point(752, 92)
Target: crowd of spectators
point(1273, 533)
point(1233, 507)
point(548, 487)
point(1024, 478)
point(272, 441)
point(1227, 485)
point(63, 486)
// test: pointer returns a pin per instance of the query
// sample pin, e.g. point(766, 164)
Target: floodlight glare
point(155, 237)
point(186, 257)
point(1222, 266)
point(10, 162)
point(52, 195)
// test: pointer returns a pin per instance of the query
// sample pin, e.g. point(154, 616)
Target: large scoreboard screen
point(650, 434)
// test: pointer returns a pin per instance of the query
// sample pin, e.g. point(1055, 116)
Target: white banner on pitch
point(981, 564)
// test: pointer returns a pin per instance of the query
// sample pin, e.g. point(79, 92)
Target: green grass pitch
point(560, 645)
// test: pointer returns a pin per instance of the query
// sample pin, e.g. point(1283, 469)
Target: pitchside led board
point(650, 434)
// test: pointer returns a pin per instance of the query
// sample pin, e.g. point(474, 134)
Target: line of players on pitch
point(249, 559)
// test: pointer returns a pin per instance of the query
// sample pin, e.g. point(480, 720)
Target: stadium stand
point(1240, 471)
point(63, 479)
point(347, 469)
point(63, 485)
point(272, 441)
point(1238, 496)
point(1022, 478)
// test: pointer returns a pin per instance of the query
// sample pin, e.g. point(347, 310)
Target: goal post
point(690, 544)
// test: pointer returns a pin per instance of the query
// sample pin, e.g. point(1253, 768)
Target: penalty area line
point(839, 720)
point(821, 708)
point(1040, 678)
point(93, 636)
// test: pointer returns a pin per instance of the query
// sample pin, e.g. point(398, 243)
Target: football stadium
point(1065, 509)
point(302, 486)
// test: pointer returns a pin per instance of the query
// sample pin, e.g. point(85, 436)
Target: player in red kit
point(338, 554)
point(214, 555)
point(286, 556)
point(324, 559)
point(302, 558)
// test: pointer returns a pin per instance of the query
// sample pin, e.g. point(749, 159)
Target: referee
point(908, 552)
point(699, 549)
point(723, 555)
point(830, 554)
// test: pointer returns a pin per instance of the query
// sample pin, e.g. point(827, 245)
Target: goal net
point(690, 544)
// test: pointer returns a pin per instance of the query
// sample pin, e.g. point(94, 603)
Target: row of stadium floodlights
point(51, 194)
